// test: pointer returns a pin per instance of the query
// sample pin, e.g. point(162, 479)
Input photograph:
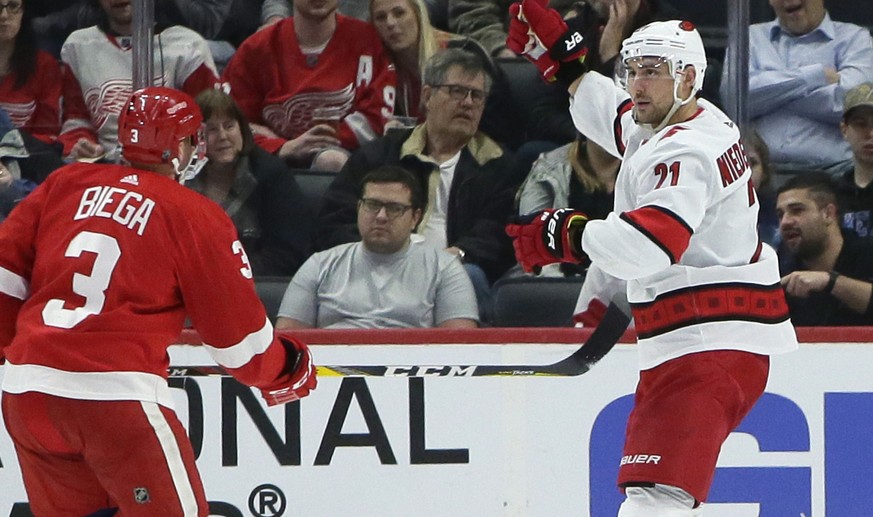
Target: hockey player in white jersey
point(704, 290)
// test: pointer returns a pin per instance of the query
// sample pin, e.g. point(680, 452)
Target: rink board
point(532, 446)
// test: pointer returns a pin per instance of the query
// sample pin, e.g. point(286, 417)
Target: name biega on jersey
point(125, 207)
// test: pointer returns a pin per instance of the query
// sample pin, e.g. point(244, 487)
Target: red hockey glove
point(547, 237)
point(541, 35)
point(299, 379)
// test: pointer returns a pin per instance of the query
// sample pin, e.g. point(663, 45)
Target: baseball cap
point(861, 95)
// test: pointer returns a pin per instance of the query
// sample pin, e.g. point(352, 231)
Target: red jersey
point(101, 264)
point(35, 106)
point(276, 85)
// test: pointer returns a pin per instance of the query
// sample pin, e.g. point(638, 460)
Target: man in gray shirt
point(390, 279)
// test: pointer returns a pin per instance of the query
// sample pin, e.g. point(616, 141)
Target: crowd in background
point(428, 87)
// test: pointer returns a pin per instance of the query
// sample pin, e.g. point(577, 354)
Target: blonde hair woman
point(407, 34)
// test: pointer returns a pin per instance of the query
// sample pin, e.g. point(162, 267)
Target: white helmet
point(679, 45)
point(675, 41)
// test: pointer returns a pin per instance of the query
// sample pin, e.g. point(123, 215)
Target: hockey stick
point(601, 341)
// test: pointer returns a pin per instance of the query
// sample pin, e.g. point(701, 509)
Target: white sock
point(657, 501)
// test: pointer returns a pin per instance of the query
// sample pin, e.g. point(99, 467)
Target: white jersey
point(99, 77)
point(683, 233)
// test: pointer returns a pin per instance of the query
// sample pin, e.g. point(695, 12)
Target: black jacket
point(480, 200)
point(271, 213)
point(823, 309)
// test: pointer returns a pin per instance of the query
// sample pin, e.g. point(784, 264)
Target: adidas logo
point(133, 179)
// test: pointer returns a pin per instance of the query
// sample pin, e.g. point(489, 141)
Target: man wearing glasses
point(391, 278)
point(469, 179)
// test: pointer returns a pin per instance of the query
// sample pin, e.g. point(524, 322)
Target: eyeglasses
point(11, 7)
point(392, 210)
point(458, 93)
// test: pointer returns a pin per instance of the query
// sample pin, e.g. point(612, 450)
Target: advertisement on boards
point(423, 444)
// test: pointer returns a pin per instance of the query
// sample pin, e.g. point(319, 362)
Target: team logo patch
point(141, 495)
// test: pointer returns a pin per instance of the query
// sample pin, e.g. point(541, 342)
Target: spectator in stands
point(543, 107)
point(25, 162)
point(391, 278)
point(281, 75)
point(209, 18)
point(12, 191)
point(486, 21)
point(826, 271)
point(406, 33)
point(800, 66)
point(223, 23)
point(578, 175)
point(30, 97)
point(274, 10)
point(855, 186)
point(471, 181)
point(98, 72)
point(758, 156)
point(30, 87)
point(271, 214)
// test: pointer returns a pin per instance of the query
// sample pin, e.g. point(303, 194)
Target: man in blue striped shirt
point(800, 67)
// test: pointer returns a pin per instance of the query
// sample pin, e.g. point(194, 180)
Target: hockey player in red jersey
point(98, 269)
point(704, 291)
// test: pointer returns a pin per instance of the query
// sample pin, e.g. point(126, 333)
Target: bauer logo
point(573, 40)
point(640, 459)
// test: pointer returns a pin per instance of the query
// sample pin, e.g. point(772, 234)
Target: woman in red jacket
point(30, 79)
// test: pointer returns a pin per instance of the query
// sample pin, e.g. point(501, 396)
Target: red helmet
point(155, 120)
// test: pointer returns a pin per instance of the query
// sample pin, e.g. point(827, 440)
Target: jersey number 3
point(91, 287)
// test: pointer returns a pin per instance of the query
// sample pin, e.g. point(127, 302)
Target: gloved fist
point(299, 379)
point(541, 35)
point(546, 237)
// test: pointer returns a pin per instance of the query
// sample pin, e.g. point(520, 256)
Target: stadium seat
point(525, 84)
point(271, 289)
point(314, 184)
point(527, 301)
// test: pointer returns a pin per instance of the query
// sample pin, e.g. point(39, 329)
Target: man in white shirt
point(800, 67)
point(389, 279)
